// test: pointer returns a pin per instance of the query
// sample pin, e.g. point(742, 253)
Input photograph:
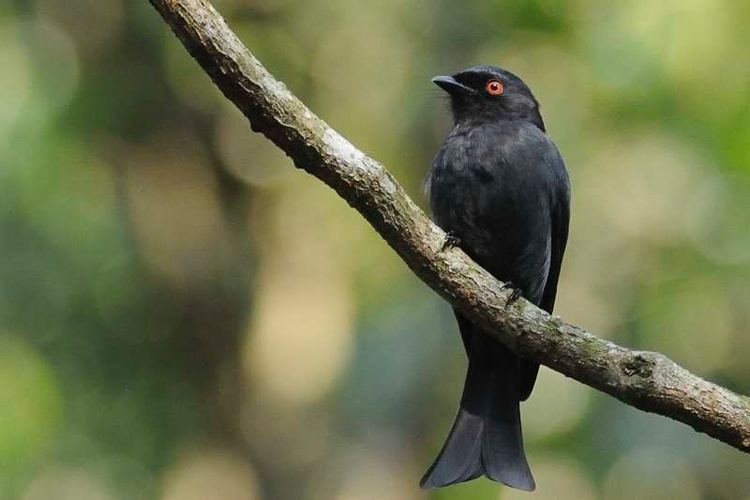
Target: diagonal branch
point(645, 380)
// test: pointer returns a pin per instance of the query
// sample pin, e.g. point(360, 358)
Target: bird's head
point(487, 93)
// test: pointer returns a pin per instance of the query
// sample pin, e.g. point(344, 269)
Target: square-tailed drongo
point(499, 187)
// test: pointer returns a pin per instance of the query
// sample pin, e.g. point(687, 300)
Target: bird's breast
point(494, 202)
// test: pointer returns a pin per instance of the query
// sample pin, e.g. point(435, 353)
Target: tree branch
point(645, 380)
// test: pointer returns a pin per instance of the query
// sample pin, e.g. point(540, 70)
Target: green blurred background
point(184, 315)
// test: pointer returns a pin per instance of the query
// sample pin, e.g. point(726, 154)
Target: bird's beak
point(451, 85)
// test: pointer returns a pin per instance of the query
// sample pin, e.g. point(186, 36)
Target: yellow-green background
point(185, 316)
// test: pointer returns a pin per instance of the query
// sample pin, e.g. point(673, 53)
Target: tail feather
point(486, 435)
point(502, 451)
point(460, 458)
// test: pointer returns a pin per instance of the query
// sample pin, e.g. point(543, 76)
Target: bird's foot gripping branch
point(648, 381)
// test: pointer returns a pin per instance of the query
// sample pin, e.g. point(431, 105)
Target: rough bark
point(646, 380)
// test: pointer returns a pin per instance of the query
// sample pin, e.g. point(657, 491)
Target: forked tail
point(486, 434)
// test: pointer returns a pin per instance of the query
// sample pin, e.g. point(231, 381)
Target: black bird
point(499, 188)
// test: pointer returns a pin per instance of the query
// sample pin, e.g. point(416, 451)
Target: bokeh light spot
point(209, 473)
point(68, 483)
point(15, 84)
point(301, 336)
point(30, 412)
point(56, 64)
point(177, 216)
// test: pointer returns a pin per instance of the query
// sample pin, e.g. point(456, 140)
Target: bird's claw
point(515, 293)
point(451, 240)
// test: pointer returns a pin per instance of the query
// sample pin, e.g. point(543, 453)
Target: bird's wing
point(559, 239)
point(560, 223)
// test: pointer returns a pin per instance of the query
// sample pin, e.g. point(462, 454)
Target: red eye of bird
point(494, 87)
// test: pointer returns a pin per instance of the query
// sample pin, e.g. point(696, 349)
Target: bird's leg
point(451, 240)
point(515, 294)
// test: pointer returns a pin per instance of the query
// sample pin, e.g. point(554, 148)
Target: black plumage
point(499, 186)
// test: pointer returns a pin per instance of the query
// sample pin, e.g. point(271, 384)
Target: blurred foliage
point(183, 315)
